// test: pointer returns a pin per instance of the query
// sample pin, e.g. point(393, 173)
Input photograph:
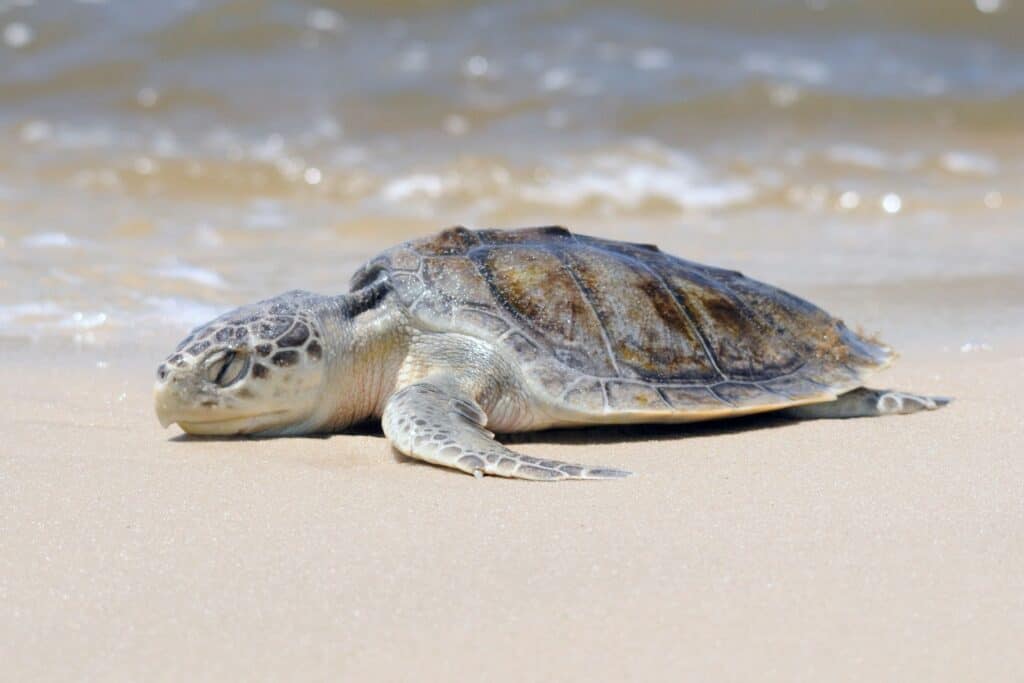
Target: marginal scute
point(633, 396)
point(587, 395)
point(690, 397)
point(737, 393)
point(791, 386)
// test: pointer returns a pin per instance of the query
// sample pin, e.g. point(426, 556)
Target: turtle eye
point(224, 369)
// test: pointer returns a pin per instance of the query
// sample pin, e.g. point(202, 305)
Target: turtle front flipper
point(429, 421)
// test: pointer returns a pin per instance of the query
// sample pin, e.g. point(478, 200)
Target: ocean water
point(161, 161)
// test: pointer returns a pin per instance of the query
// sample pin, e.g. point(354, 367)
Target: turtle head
point(259, 369)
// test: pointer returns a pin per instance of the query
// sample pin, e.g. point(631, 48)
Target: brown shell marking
point(544, 296)
point(747, 341)
point(649, 332)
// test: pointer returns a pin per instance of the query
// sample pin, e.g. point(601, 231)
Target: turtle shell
point(608, 328)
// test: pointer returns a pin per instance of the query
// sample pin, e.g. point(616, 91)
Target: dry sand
point(872, 549)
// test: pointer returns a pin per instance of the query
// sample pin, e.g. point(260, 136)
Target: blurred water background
point(161, 160)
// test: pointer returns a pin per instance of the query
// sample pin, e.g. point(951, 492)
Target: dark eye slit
point(228, 357)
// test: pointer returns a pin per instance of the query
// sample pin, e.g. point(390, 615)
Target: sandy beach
point(882, 549)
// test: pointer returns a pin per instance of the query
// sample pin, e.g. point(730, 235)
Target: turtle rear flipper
point(864, 402)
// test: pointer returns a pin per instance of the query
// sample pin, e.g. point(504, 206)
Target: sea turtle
point(447, 337)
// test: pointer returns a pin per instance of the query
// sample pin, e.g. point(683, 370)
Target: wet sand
point(872, 549)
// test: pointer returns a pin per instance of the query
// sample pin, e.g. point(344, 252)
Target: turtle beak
point(173, 395)
point(161, 400)
point(179, 394)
